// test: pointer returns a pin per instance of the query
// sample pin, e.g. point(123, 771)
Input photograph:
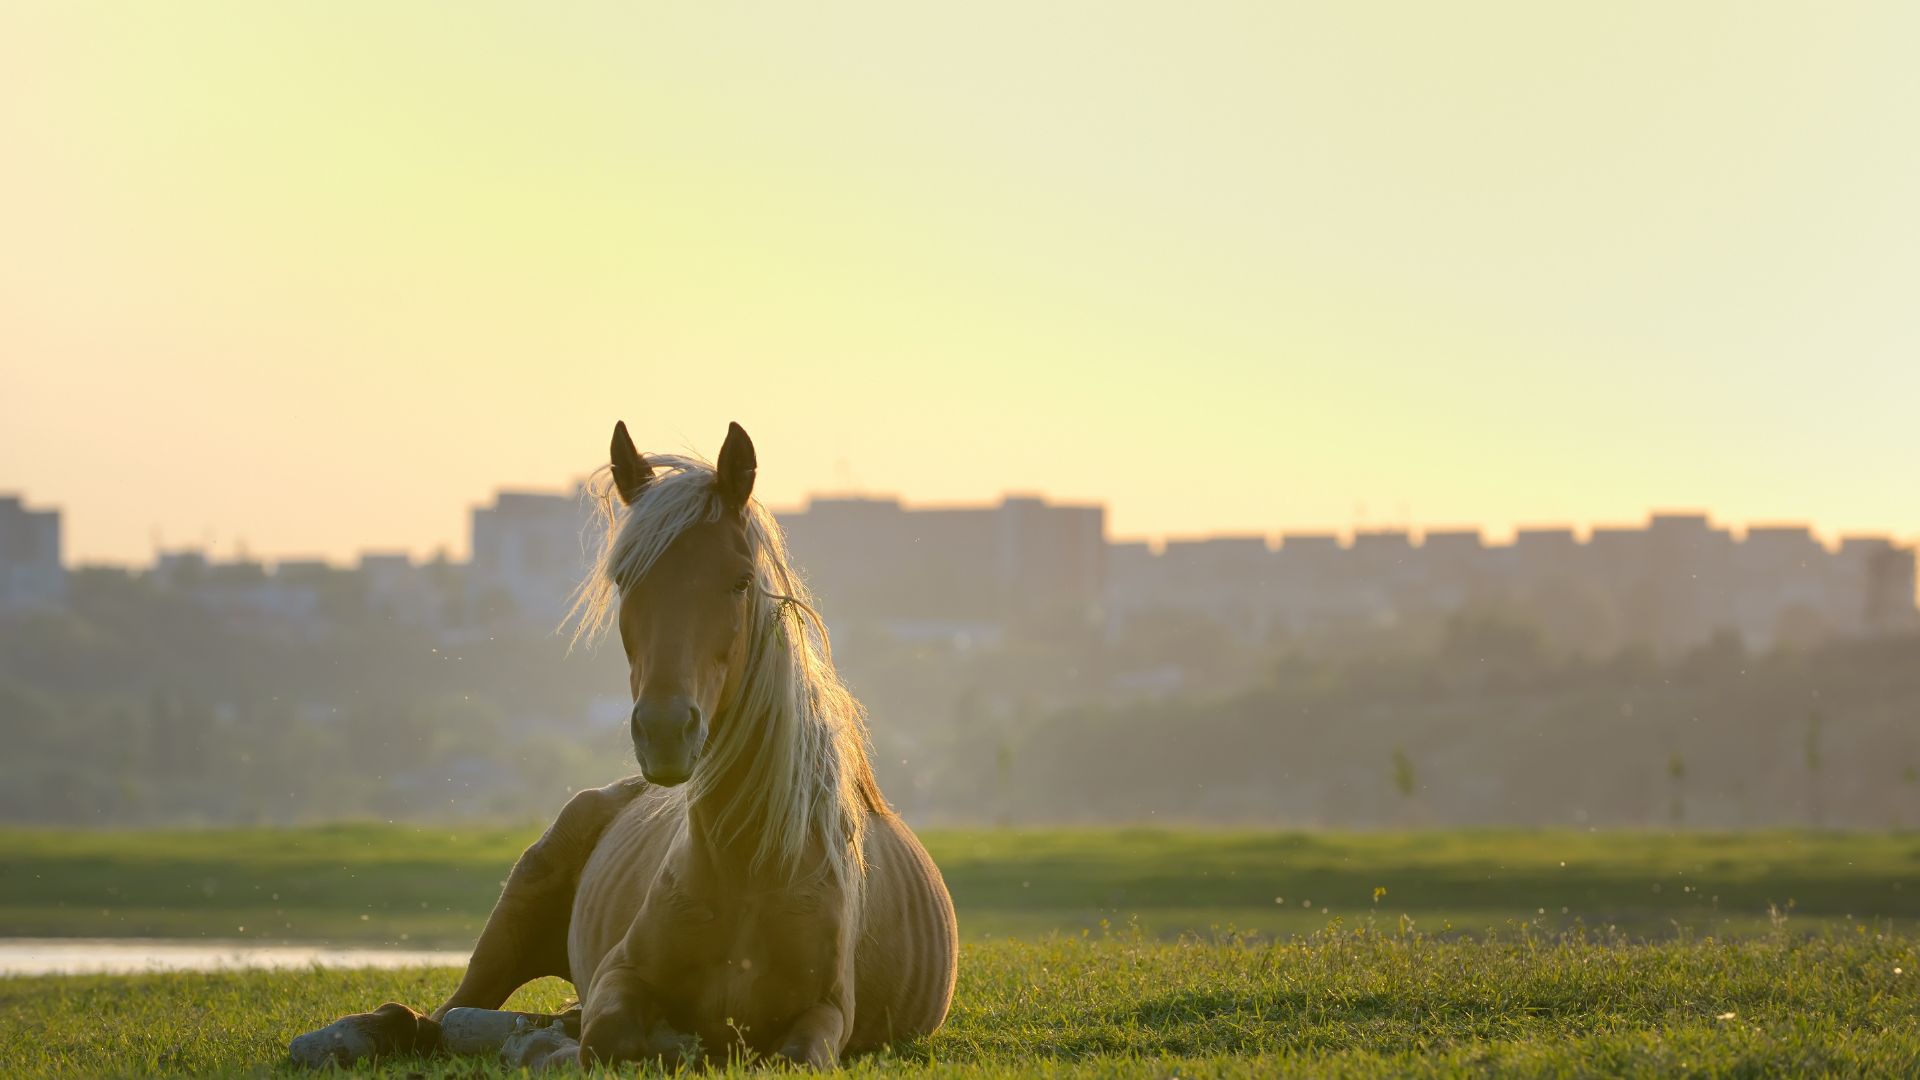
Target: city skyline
point(459, 548)
point(323, 276)
point(963, 574)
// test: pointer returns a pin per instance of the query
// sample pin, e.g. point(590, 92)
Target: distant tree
point(1003, 780)
point(1403, 778)
point(1489, 650)
point(1676, 785)
point(1816, 808)
point(1405, 781)
point(180, 737)
point(1722, 656)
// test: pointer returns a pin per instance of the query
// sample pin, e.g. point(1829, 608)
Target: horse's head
point(681, 621)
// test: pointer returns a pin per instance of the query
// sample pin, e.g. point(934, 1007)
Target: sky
point(304, 279)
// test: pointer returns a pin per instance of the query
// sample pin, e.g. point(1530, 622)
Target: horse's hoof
point(390, 1029)
point(540, 1047)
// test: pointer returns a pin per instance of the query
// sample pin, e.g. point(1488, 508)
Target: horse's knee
point(563, 849)
point(620, 1024)
point(610, 1039)
point(815, 1053)
point(814, 1040)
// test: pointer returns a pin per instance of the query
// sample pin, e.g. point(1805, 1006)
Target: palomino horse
point(751, 889)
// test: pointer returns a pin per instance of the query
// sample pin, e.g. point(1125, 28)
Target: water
point(118, 956)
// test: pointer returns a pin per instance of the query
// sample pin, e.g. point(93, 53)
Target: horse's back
point(908, 951)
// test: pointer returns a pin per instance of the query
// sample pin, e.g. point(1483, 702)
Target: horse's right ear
point(630, 471)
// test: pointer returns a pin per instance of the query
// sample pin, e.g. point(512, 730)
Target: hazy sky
point(320, 276)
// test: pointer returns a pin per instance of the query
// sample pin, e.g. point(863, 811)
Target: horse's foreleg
point(526, 935)
point(815, 1038)
point(525, 938)
point(550, 1047)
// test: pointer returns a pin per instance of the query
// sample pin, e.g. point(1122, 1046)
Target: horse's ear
point(736, 468)
point(630, 471)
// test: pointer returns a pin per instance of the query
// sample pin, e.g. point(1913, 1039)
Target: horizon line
point(1416, 535)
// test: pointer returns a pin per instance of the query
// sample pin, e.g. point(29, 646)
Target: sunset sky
point(319, 277)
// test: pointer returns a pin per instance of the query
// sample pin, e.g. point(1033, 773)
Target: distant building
point(529, 553)
point(32, 577)
point(1451, 566)
point(1231, 579)
point(953, 572)
point(974, 575)
point(400, 590)
point(1054, 560)
point(1875, 584)
point(1317, 587)
point(179, 569)
point(1672, 585)
point(287, 599)
point(1783, 587)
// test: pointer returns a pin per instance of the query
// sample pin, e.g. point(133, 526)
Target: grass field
point(1339, 1003)
point(423, 886)
point(1665, 962)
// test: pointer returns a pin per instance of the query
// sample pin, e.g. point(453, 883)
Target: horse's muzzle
point(668, 735)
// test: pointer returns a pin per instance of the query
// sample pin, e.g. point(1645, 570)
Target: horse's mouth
point(665, 778)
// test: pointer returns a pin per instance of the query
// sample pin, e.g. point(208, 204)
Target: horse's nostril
point(667, 726)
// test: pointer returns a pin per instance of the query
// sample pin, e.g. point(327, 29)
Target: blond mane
point(788, 733)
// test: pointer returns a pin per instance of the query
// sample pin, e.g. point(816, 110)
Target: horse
point(750, 893)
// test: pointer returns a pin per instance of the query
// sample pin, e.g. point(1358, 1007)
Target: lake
point(117, 956)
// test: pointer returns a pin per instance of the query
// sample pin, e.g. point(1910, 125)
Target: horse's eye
point(743, 584)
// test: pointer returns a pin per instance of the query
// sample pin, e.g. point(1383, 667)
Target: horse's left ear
point(736, 468)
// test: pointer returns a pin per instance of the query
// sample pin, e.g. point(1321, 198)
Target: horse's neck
point(712, 832)
point(733, 862)
point(734, 858)
point(727, 818)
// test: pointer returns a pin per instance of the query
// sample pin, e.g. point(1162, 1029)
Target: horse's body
point(736, 961)
point(751, 890)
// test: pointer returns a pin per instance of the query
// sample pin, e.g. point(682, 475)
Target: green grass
point(1664, 962)
point(1344, 1002)
point(431, 886)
